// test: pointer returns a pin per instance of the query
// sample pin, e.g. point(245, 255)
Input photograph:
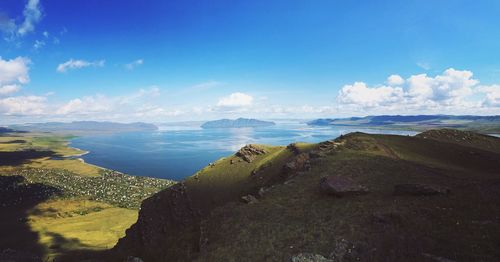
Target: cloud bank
point(453, 91)
point(450, 92)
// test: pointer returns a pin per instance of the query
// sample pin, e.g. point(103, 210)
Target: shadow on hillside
point(4, 130)
point(17, 241)
point(22, 157)
point(17, 141)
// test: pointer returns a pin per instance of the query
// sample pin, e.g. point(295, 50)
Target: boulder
point(420, 190)
point(249, 199)
point(249, 152)
point(341, 186)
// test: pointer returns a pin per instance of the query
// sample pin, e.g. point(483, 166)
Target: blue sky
point(191, 60)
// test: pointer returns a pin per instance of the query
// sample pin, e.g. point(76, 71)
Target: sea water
point(177, 152)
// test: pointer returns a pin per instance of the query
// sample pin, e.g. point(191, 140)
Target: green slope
point(205, 219)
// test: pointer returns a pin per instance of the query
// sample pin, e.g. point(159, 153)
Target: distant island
point(78, 127)
point(237, 123)
point(483, 124)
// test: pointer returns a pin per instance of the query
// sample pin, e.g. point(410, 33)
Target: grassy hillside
point(51, 205)
point(206, 219)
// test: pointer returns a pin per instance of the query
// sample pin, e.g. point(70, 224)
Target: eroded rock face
point(168, 219)
point(420, 190)
point(341, 186)
point(249, 152)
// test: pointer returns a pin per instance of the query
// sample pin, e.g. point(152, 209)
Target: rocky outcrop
point(249, 152)
point(298, 164)
point(420, 190)
point(341, 186)
point(294, 148)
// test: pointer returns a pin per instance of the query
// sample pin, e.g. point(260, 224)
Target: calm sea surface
point(178, 152)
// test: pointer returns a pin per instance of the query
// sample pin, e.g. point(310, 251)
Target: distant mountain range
point(418, 122)
point(77, 127)
point(237, 123)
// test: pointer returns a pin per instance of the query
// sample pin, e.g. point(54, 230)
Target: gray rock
point(249, 199)
point(437, 258)
point(262, 191)
point(346, 251)
point(133, 259)
point(309, 257)
point(341, 186)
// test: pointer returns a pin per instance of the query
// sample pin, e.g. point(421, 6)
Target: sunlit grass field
point(57, 225)
point(58, 145)
point(68, 225)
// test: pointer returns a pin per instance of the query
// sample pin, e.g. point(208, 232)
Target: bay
point(175, 152)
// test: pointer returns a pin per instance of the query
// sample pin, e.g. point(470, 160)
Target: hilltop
point(237, 123)
point(483, 124)
point(432, 197)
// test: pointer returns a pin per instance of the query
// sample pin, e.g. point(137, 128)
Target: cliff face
point(168, 227)
point(421, 198)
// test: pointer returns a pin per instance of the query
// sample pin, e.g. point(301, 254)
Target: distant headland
point(236, 123)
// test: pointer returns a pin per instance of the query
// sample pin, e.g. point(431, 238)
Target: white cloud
point(86, 105)
point(9, 89)
point(445, 88)
point(134, 64)
point(101, 105)
point(23, 105)
point(235, 100)
point(45, 34)
point(32, 15)
point(38, 44)
point(453, 91)
point(492, 95)
point(14, 71)
point(360, 94)
point(395, 80)
point(424, 65)
point(77, 64)
point(13, 74)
